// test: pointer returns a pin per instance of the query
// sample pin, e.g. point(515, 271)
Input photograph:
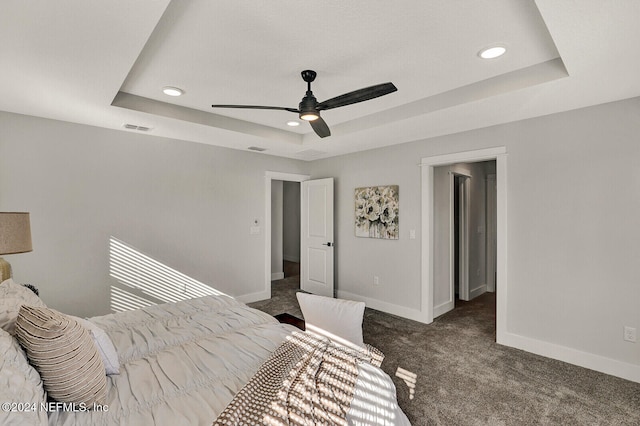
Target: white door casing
point(316, 245)
point(463, 237)
point(491, 233)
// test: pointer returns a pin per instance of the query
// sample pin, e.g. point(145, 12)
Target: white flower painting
point(377, 212)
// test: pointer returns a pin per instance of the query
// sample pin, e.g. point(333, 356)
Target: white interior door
point(316, 236)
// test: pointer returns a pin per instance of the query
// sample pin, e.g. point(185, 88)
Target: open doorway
point(464, 231)
point(285, 236)
point(316, 229)
point(435, 298)
point(270, 177)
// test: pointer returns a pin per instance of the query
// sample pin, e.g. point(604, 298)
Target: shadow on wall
point(143, 281)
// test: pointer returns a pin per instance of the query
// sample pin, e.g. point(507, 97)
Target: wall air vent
point(256, 148)
point(134, 127)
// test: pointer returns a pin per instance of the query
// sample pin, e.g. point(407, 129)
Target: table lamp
point(15, 237)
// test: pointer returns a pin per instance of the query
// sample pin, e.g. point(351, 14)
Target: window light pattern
point(122, 300)
point(153, 279)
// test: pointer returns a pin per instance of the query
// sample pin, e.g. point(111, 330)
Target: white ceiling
point(105, 63)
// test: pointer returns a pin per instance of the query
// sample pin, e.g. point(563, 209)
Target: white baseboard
point(288, 258)
point(390, 308)
point(443, 308)
point(573, 356)
point(477, 291)
point(253, 297)
point(277, 276)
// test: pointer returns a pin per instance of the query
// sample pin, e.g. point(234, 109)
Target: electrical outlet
point(629, 334)
point(376, 280)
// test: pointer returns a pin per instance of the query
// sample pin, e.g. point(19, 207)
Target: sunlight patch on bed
point(375, 395)
point(136, 270)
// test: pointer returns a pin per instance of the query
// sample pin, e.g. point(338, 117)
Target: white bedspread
point(182, 363)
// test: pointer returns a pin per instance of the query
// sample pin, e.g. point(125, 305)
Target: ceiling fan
point(309, 108)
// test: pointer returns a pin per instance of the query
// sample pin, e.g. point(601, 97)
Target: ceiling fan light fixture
point(307, 107)
point(309, 116)
point(492, 52)
point(172, 91)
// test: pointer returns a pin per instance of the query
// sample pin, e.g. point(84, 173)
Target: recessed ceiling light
point(172, 91)
point(293, 123)
point(492, 52)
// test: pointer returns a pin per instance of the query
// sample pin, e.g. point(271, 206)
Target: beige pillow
point(64, 354)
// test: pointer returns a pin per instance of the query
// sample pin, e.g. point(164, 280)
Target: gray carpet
point(462, 377)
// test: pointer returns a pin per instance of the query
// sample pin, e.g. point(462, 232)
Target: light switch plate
point(629, 334)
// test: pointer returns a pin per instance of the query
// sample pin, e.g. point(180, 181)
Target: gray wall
point(358, 260)
point(572, 228)
point(187, 205)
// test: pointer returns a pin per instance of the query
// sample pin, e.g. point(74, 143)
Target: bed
point(188, 363)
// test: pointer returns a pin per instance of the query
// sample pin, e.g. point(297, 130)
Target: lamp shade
point(15, 233)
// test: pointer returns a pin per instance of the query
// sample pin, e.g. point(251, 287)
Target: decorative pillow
point(339, 320)
point(64, 354)
point(104, 345)
point(20, 386)
point(12, 296)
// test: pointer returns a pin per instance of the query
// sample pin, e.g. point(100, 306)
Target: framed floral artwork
point(377, 212)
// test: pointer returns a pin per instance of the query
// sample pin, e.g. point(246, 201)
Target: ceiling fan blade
point(320, 127)
point(256, 107)
point(357, 96)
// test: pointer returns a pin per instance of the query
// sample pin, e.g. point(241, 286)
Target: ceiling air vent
point(256, 148)
point(138, 128)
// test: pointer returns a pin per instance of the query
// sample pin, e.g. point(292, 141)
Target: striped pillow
point(63, 353)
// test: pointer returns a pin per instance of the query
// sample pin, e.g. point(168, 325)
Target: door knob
point(327, 244)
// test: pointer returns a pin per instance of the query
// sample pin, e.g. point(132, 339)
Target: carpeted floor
point(452, 372)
